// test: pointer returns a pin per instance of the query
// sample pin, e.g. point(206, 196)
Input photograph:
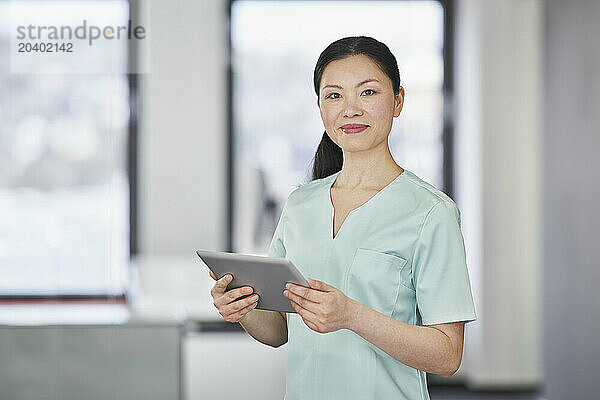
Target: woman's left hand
point(322, 307)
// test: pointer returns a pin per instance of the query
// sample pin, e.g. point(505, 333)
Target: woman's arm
point(434, 348)
point(267, 327)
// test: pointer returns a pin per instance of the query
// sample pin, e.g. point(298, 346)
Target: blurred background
point(118, 162)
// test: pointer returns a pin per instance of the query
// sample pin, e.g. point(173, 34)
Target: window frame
point(132, 169)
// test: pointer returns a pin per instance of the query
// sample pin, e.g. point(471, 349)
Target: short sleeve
point(277, 248)
point(441, 278)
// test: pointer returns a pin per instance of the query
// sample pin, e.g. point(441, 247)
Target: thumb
point(319, 285)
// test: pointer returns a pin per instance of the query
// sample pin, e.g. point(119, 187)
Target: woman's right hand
point(231, 309)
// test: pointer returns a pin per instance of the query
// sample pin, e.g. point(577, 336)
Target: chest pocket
point(374, 279)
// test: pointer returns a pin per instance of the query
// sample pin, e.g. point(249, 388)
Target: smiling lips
point(354, 128)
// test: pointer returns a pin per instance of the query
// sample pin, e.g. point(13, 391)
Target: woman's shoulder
point(426, 195)
point(426, 189)
point(307, 191)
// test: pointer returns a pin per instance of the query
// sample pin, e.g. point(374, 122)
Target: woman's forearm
point(267, 327)
point(421, 347)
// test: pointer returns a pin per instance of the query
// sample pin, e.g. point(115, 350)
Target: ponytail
point(328, 158)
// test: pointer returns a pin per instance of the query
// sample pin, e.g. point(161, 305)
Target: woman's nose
point(352, 108)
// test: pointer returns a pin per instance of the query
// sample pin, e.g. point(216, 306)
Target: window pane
point(276, 122)
point(64, 197)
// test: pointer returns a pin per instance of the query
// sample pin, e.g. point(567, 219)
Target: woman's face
point(355, 91)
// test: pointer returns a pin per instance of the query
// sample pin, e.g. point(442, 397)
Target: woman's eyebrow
point(360, 84)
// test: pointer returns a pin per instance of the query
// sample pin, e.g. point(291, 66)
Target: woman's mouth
point(354, 128)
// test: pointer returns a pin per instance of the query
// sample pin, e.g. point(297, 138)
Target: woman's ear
point(398, 101)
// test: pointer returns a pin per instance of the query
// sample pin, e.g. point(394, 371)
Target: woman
point(389, 289)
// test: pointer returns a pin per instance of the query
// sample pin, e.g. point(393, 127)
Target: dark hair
point(328, 158)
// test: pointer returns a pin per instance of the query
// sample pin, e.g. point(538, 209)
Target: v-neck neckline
point(332, 208)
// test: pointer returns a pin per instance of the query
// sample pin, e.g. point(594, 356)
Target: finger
point(297, 308)
point(236, 306)
point(233, 294)
point(237, 317)
point(303, 295)
point(319, 285)
point(224, 281)
point(313, 327)
point(219, 287)
point(306, 314)
point(212, 275)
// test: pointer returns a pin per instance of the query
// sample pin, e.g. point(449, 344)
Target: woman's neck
point(368, 169)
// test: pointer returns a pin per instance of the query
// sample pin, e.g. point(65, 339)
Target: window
point(64, 189)
point(276, 126)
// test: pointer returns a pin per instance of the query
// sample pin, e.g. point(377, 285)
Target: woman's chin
point(353, 146)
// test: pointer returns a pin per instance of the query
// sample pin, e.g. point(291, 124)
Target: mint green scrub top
point(401, 254)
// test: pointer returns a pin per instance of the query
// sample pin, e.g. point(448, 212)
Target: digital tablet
point(266, 275)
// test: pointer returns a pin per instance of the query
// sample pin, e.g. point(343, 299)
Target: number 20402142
point(45, 47)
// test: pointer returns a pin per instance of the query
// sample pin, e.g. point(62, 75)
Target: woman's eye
point(330, 96)
point(369, 90)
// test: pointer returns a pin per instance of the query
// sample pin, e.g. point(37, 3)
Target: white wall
point(572, 189)
point(232, 365)
point(182, 135)
point(498, 185)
